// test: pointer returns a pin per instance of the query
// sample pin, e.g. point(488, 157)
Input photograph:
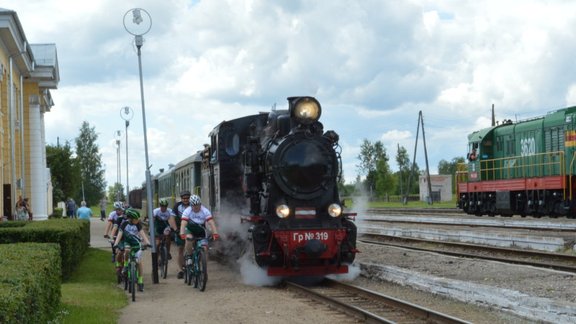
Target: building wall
point(24, 99)
point(441, 187)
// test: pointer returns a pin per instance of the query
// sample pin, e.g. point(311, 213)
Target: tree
point(65, 172)
point(445, 167)
point(404, 172)
point(90, 163)
point(403, 161)
point(385, 182)
point(116, 192)
point(370, 156)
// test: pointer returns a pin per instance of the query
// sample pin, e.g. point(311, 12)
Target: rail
point(369, 306)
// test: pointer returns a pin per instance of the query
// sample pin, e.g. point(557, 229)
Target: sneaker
point(140, 287)
point(180, 274)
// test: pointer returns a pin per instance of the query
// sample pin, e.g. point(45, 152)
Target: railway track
point(556, 261)
point(369, 306)
point(540, 225)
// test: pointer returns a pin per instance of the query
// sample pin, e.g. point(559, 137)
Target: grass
point(349, 202)
point(91, 294)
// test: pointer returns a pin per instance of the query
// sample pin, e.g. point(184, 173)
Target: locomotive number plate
point(310, 235)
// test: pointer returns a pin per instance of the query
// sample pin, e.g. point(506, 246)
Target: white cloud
point(373, 65)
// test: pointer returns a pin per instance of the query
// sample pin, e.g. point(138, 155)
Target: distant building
point(27, 74)
point(441, 188)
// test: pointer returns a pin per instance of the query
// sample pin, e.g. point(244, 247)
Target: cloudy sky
point(373, 65)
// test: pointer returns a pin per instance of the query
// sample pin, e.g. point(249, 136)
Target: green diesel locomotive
point(522, 168)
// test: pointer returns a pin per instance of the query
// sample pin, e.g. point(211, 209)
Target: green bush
point(29, 282)
point(72, 235)
point(57, 213)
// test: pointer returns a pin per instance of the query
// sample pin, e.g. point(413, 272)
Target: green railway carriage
point(524, 168)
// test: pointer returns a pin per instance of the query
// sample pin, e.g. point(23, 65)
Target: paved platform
point(97, 228)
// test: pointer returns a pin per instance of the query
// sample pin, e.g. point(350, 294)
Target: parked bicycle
point(196, 265)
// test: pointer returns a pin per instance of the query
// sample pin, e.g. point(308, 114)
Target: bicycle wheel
point(133, 279)
point(163, 261)
point(190, 272)
point(125, 278)
point(202, 271)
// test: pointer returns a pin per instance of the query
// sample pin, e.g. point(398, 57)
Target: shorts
point(197, 231)
point(122, 245)
point(159, 228)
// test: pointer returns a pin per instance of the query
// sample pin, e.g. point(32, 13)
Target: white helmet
point(195, 200)
point(118, 205)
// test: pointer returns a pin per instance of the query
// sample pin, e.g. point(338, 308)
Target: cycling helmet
point(195, 200)
point(163, 202)
point(184, 193)
point(132, 213)
point(118, 205)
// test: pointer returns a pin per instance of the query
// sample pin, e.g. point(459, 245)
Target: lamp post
point(117, 136)
point(138, 22)
point(126, 113)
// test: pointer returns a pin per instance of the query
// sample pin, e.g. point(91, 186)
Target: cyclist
point(112, 217)
point(178, 209)
point(114, 220)
point(194, 220)
point(130, 234)
point(163, 220)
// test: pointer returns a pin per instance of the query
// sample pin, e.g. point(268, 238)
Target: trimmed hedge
point(73, 236)
point(13, 224)
point(29, 282)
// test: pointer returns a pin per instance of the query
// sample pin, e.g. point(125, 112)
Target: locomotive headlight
point(334, 210)
point(306, 110)
point(282, 211)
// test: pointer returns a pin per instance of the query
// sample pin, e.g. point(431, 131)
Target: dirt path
point(226, 299)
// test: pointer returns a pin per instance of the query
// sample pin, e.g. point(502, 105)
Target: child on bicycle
point(194, 220)
point(131, 234)
point(164, 222)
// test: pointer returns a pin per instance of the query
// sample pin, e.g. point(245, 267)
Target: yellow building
point(27, 74)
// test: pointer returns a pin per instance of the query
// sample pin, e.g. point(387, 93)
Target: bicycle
point(131, 271)
point(196, 266)
point(119, 276)
point(163, 253)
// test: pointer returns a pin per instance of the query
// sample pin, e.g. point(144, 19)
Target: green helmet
point(163, 202)
point(132, 213)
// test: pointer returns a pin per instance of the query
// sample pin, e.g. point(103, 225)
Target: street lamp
point(138, 22)
point(126, 113)
point(117, 136)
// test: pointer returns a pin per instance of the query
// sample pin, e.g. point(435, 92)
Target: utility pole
point(420, 124)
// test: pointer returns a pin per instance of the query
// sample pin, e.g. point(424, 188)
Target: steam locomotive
point(275, 175)
point(526, 168)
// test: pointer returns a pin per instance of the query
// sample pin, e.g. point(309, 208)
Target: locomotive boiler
point(525, 168)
